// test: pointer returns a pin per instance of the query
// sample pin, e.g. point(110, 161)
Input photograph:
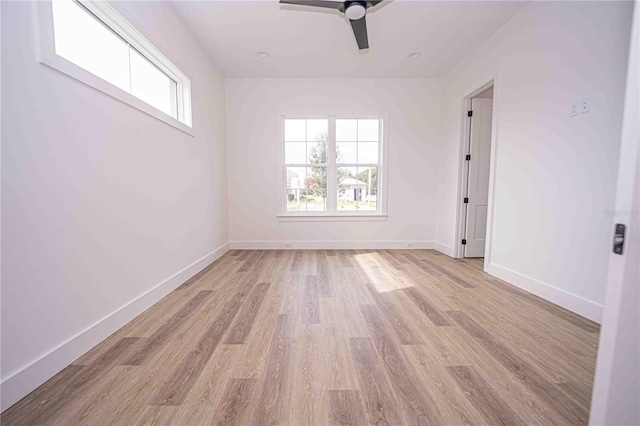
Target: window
point(332, 166)
point(91, 42)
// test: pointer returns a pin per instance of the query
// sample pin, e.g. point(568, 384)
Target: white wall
point(254, 108)
point(101, 203)
point(554, 175)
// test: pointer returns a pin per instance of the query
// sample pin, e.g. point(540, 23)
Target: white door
point(478, 186)
point(616, 392)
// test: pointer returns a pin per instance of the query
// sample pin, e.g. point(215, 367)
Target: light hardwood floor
point(332, 337)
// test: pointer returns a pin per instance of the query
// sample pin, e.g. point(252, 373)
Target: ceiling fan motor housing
point(355, 9)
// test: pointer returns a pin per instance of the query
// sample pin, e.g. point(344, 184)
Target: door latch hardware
point(618, 238)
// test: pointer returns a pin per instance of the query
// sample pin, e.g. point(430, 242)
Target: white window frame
point(332, 213)
point(120, 26)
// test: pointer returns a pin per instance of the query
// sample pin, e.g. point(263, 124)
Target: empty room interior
point(313, 212)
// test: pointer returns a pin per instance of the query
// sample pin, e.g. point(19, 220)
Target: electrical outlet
point(585, 105)
point(575, 109)
point(410, 246)
point(287, 245)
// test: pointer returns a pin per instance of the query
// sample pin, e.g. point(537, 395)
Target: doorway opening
point(476, 172)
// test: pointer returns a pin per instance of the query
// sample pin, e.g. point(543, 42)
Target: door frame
point(463, 170)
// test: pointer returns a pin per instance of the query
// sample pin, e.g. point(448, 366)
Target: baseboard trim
point(330, 245)
point(572, 302)
point(442, 248)
point(19, 384)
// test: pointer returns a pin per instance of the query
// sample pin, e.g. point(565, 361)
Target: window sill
point(332, 218)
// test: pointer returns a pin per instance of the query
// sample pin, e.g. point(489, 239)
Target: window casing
point(332, 167)
point(92, 43)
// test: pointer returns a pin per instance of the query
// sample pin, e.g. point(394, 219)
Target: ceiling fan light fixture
point(355, 11)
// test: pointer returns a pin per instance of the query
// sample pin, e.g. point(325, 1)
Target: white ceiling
point(312, 42)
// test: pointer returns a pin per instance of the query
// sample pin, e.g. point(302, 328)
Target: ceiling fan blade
point(371, 3)
point(316, 3)
point(360, 31)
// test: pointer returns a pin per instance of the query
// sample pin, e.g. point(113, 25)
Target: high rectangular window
point(94, 37)
point(332, 165)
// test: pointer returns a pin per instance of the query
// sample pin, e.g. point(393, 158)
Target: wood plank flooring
point(332, 337)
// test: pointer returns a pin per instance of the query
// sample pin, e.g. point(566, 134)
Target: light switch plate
point(575, 109)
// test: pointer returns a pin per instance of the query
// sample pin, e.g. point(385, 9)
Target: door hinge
point(469, 113)
point(618, 238)
point(466, 200)
point(468, 157)
point(464, 242)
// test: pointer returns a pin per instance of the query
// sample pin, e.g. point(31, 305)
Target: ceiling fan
point(355, 10)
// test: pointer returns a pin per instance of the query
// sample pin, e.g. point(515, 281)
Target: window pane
point(346, 130)
point(368, 199)
point(317, 129)
point(346, 152)
point(349, 188)
point(295, 152)
point(367, 152)
point(357, 188)
point(306, 189)
point(317, 152)
point(295, 130)
point(83, 40)
point(316, 184)
point(151, 85)
point(368, 130)
point(296, 192)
